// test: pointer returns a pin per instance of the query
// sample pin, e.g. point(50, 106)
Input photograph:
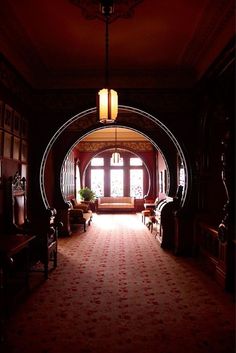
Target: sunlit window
point(136, 183)
point(97, 181)
point(97, 162)
point(117, 182)
point(135, 162)
point(124, 179)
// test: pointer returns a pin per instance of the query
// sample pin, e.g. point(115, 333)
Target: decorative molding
point(18, 183)
point(140, 146)
point(227, 179)
point(91, 9)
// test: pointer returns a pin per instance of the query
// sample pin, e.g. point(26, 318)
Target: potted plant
point(86, 194)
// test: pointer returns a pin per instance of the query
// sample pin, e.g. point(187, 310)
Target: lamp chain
point(107, 53)
point(116, 139)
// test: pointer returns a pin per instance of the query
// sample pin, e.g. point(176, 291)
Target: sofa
point(79, 213)
point(115, 204)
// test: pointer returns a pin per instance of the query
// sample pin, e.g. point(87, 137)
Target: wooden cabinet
point(217, 257)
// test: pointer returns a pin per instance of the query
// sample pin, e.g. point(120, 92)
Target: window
point(97, 162)
point(97, 181)
point(124, 179)
point(136, 183)
point(117, 182)
point(135, 162)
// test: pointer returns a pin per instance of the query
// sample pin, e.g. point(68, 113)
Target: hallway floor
point(116, 291)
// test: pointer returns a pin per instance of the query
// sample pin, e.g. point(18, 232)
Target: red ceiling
point(163, 44)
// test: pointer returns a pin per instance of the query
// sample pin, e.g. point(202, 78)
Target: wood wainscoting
point(213, 253)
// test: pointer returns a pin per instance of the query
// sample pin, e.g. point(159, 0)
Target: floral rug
point(116, 291)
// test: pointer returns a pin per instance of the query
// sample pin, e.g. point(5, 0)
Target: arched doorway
point(82, 124)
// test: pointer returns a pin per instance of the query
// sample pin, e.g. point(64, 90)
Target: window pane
point(97, 181)
point(120, 164)
point(136, 183)
point(182, 176)
point(97, 162)
point(136, 161)
point(117, 188)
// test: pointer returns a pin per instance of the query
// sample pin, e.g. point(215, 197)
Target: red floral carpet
point(116, 291)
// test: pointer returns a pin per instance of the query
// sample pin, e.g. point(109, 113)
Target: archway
point(83, 123)
point(131, 161)
point(129, 144)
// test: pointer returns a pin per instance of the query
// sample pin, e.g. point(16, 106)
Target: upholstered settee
point(115, 204)
point(79, 213)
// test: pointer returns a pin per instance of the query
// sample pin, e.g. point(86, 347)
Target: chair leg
point(151, 227)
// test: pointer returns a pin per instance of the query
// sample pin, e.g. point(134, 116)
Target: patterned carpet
point(116, 291)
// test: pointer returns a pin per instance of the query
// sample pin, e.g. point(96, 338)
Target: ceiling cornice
point(211, 24)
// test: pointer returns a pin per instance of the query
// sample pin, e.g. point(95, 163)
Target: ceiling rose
point(91, 9)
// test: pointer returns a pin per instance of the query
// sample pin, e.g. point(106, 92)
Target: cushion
point(81, 206)
point(74, 202)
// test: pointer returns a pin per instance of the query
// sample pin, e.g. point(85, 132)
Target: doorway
point(81, 125)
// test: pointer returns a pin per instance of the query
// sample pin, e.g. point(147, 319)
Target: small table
point(10, 245)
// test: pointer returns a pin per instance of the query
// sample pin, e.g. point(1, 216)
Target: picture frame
point(16, 123)
point(8, 115)
point(16, 148)
point(24, 128)
point(7, 148)
point(24, 151)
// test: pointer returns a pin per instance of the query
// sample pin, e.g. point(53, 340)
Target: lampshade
point(107, 105)
point(115, 158)
point(115, 155)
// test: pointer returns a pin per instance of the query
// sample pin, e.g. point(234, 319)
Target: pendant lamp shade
point(115, 158)
point(107, 105)
point(115, 155)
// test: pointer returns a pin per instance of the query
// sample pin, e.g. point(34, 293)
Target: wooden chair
point(149, 206)
point(16, 206)
point(45, 250)
point(45, 228)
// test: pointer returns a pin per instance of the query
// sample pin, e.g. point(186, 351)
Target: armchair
point(79, 213)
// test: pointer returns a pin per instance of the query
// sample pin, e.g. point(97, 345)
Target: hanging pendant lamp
point(115, 155)
point(107, 97)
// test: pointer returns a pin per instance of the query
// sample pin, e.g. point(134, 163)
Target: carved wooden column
point(225, 267)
